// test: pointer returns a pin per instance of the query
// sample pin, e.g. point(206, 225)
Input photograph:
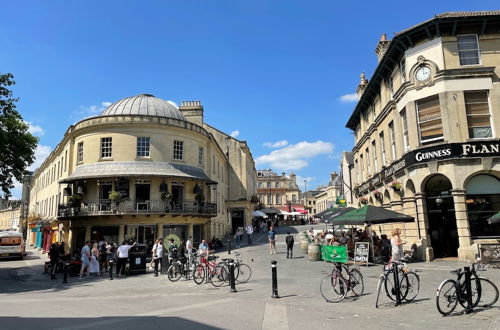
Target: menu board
point(361, 252)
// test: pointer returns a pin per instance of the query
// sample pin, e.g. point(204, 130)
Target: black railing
point(106, 207)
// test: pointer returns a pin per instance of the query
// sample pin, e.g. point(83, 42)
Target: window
point(368, 168)
point(80, 152)
point(276, 184)
point(362, 166)
point(404, 125)
point(358, 172)
point(142, 146)
point(106, 147)
point(392, 136)
point(375, 160)
point(213, 163)
point(402, 69)
point(65, 160)
point(390, 85)
point(429, 119)
point(178, 150)
point(278, 199)
point(382, 148)
point(468, 49)
point(259, 184)
point(200, 156)
point(478, 114)
point(269, 199)
point(268, 184)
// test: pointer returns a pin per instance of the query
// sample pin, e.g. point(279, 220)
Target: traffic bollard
point(468, 274)
point(229, 244)
point(397, 289)
point(65, 271)
point(275, 279)
point(111, 262)
point(232, 281)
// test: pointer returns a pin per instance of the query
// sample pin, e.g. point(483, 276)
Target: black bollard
point(468, 274)
point(65, 271)
point(275, 279)
point(232, 281)
point(397, 289)
point(111, 261)
point(229, 244)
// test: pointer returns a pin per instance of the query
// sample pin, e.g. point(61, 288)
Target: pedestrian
point(111, 255)
point(94, 260)
point(272, 240)
point(54, 260)
point(289, 245)
point(103, 264)
point(237, 238)
point(122, 258)
point(172, 251)
point(85, 258)
point(385, 247)
point(158, 253)
point(396, 245)
point(249, 233)
point(203, 250)
point(189, 249)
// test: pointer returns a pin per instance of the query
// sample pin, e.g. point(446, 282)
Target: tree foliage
point(17, 145)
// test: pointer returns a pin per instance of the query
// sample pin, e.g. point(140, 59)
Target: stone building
point(278, 191)
point(9, 218)
point(426, 130)
point(144, 168)
point(327, 196)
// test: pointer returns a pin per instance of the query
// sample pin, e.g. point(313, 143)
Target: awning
point(136, 169)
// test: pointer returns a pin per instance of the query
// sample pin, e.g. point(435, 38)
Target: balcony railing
point(106, 207)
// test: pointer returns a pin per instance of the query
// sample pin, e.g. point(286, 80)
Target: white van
point(11, 244)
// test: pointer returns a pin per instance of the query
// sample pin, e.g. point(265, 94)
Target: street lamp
point(229, 225)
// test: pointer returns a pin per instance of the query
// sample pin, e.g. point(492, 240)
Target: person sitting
point(203, 249)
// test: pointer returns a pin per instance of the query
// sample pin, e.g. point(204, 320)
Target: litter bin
point(137, 259)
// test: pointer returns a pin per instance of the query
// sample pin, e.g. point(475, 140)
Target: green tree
point(17, 145)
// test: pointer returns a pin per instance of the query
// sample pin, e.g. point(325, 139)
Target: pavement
point(29, 299)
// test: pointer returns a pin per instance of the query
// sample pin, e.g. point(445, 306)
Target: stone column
point(410, 228)
point(121, 234)
point(423, 225)
point(465, 252)
point(159, 230)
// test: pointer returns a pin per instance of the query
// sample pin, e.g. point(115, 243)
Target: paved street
point(31, 300)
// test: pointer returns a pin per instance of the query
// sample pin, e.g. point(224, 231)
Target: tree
point(17, 145)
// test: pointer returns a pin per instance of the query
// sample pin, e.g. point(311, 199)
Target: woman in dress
point(397, 245)
point(94, 261)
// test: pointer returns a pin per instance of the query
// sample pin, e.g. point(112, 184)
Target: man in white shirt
point(189, 249)
point(158, 253)
point(249, 230)
point(122, 258)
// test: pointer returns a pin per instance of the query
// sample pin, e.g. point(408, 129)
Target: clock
point(423, 73)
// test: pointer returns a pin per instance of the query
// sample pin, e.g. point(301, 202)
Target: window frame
point(374, 156)
point(382, 148)
point(478, 49)
point(392, 136)
point(178, 149)
point(200, 156)
point(105, 145)
point(143, 150)
point(489, 112)
point(441, 138)
point(404, 128)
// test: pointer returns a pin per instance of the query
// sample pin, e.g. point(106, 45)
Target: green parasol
point(494, 219)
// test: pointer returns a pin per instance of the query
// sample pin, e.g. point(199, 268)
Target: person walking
point(85, 258)
point(122, 258)
point(396, 245)
point(103, 262)
point(189, 249)
point(271, 235)
point(237, 238)
point(158, 253)
point(172, 251)
point(249, 230)
point(94, 260)
point(289, 245)
point(54, 260)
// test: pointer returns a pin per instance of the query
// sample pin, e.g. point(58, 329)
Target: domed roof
point(144, 105)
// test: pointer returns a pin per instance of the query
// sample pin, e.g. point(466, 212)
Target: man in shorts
point(271, 235)
point(85, 258)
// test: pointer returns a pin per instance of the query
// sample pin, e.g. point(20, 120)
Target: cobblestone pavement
point(30, 299)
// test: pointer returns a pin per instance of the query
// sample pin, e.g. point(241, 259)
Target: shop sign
point(444, 151)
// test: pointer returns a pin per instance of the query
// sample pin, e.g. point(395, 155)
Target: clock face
point(423, 73)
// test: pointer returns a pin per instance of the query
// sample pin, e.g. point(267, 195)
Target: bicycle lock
point(111, 262)
point(468, 274)
point(397, 288)
point(275, 279)
point(232, 281)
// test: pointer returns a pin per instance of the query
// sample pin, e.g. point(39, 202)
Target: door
point(104, 201)
point(177, 197)
point(142, 196)
point(177, 232)
point(238, 219)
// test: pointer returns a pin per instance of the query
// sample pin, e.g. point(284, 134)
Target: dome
point(144, 105)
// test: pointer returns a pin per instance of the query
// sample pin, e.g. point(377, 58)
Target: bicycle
point(208, 269)
point(407, 288)
point(179, 268)
point(242, 271)
point(452, 292)
point(335, 286)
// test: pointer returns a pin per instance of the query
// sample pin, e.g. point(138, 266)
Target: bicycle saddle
point(456, 271)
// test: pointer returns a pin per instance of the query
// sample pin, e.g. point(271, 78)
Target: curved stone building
point(142, 169)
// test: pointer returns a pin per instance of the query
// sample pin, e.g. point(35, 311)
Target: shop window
point(143, 146)
point(483, 201)
point(106, 147)
point(468, 49)
point(429, 119)
point(478, 114)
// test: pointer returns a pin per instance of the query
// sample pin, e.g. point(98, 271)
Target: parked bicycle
point(408, 287)
point(208, 269)
point(180, 268)
point(335, 286)
point(242, 271)
point(450, 293)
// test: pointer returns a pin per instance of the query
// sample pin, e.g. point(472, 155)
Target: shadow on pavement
point(109, 323)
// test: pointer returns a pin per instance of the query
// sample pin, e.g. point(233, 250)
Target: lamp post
point(305, 194)
point(229, 224)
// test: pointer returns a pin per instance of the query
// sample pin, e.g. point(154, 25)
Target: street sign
point(361, 252)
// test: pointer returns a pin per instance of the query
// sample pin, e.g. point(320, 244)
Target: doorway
point(142, 195)
point(441, 217)
point(142, 235)
point(237, 219)
point(177, 196)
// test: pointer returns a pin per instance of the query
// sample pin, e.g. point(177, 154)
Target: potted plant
point(200, 198)
point(75, 200)
point(395, 185)
point(377, 194)
point(167, 198)
point(363, 200)
point(115, 198)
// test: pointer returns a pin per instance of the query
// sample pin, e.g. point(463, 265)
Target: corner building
point(175, 177)
point(426, 133)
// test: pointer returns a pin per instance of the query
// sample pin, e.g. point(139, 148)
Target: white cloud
point(173, 103)
point(294, 156)
point(308, 184)
point(277, 144)
point(35, 129)
point(85, 111)
point(349, 98)
point(235, 134)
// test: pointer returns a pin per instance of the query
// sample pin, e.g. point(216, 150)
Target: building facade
point(427, 132)
point(143, 169)
point(278, 191)
point(9, 218)
point(327, 196)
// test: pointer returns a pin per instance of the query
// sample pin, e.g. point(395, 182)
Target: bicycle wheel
point(412, 283)
point(447, 297)
point(356, 282)
point(333, 288)
point(174, 272)
point(488, 293)
point(218, 276)
point(244, 273)
point(474, 288)
point(198, 273)
point(390, 288)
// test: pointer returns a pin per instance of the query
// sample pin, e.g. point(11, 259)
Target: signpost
point(361, 253)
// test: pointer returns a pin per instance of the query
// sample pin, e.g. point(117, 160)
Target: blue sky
point(272, 72)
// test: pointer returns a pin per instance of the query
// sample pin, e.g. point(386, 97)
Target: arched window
point(483, 201)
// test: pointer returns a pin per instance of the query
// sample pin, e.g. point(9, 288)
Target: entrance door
point(177, 196)
point(238, 219)
point(142, 195)
point(441, 216)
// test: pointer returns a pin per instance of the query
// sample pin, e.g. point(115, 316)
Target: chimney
point(382, 46)
point(333, 176)
point(362, 85)
point(193, 111)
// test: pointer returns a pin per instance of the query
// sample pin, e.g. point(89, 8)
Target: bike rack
point(468, 287)
point(397, 288)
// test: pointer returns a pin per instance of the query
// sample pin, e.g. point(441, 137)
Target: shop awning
point(136, 169)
